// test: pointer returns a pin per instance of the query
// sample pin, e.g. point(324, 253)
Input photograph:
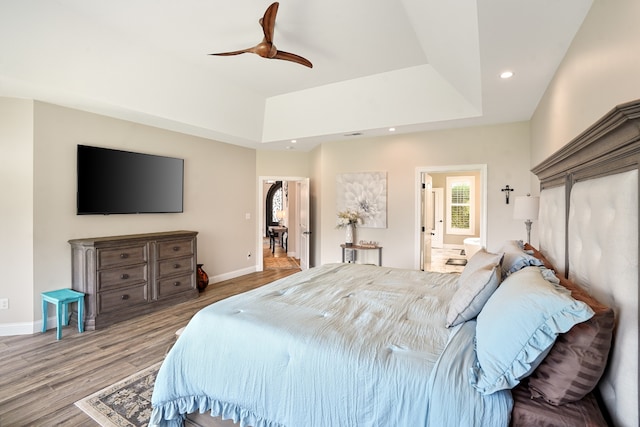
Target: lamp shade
point(526, 207)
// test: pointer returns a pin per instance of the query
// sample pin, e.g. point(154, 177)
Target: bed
point(347, 345)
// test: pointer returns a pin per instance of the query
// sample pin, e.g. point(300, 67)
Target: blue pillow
point(516, 258)
point(517, 327)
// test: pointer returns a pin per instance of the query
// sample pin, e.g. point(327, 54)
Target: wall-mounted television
point(122, 182)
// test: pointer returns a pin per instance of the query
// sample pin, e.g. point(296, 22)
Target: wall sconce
point(526, 207)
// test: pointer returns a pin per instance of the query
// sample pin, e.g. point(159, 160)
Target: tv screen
point(122, 182)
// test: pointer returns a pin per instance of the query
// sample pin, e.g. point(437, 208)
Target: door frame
point(481, 168)
point(260, 231)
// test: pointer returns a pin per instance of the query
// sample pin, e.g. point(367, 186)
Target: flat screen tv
point(121, 182)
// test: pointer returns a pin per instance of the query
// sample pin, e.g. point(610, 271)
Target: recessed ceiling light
point(506, 74)
point(392, 129)
point(293, 141)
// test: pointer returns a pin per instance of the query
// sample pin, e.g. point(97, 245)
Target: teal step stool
point(61, 299)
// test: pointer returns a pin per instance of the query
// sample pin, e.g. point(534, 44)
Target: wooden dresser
point(128, 276)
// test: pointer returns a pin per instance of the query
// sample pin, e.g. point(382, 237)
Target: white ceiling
point(411, 64)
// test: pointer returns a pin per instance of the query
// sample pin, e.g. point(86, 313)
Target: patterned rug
point(125, 403)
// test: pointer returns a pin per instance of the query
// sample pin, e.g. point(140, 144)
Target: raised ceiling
point(409, 64)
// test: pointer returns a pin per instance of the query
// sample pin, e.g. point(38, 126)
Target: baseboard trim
point(232, 274)
point(28, 328)
point(22, 328)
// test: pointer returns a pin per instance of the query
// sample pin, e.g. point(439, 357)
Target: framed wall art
point(365, 193)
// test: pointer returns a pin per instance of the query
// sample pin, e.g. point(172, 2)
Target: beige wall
point(213, 204)
point(600, 70)
point(503, 148)
point(16, 211)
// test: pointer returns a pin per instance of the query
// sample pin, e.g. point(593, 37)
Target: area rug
point(279, 263)
point(125, 403)
point(455, 261)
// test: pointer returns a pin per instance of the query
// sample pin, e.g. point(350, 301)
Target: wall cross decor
point(507, 190)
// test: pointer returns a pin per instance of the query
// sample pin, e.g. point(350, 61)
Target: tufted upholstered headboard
point(589, 231)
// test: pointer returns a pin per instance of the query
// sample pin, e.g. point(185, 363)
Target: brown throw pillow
point(577, 360)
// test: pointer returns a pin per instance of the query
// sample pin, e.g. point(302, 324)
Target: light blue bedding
point(337, 345)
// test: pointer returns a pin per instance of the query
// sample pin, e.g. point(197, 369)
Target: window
point(461, 205)
point(274, 203)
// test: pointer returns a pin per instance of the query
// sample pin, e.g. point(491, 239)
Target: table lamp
point(526, 207)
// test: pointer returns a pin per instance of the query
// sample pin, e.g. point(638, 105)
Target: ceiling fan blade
point(235, 52)
point(268, 22)
point(286, 56)
point(265, 48)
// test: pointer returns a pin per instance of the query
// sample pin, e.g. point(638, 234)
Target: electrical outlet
point(4, 303)
point(248, 255)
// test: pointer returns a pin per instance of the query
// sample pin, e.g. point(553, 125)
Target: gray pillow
point(480, 277)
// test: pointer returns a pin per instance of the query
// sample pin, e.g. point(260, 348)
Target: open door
point(303, 215)
point(437, 240)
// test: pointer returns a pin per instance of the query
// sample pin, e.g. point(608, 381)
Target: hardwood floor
point(272, 260)
point(41, 378)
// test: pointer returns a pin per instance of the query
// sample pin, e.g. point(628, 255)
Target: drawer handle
point(176, 265)
point(125, 276)
point(176, 248)
point(124, 255)
point(176, 283)
point(124, 297)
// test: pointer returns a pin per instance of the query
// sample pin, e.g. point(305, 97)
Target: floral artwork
point(366, 194)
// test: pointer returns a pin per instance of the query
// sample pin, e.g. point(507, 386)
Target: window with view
point(461, 205)
point(275, 203)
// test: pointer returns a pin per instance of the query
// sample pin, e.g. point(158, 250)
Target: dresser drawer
point(174, 285)
point(122, 298)
point(122, 276)
point(175, 266)
point(128, 255)
point(176, 248)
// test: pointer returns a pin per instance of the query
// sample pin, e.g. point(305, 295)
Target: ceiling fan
point(266, 48)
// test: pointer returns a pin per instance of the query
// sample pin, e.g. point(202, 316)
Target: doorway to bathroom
point(451, 207)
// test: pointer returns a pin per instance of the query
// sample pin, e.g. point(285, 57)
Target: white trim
point(482, 168)
point(232, 274)
point(22, 328)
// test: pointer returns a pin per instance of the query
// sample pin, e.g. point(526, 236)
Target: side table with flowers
point(349, 220)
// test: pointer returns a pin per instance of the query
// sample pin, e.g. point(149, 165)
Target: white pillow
point(517, 327)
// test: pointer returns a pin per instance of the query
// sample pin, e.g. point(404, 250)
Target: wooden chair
point(273, 236)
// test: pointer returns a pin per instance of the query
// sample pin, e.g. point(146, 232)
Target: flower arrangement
point(348, 217)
